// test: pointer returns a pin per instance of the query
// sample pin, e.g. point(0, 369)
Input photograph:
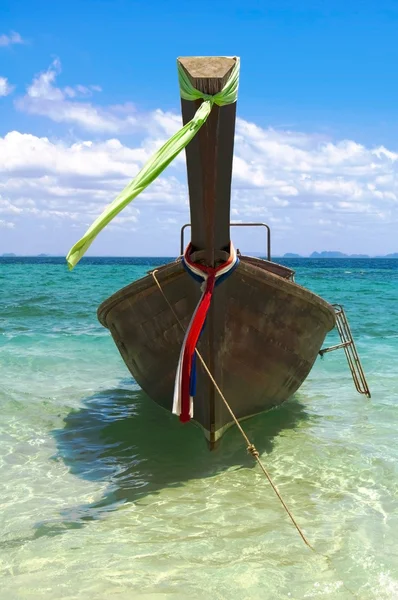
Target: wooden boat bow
point(262, 333)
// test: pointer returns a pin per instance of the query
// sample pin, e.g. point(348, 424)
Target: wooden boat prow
point(266, 335)
point(263, 331)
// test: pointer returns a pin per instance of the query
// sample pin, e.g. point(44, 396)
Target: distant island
point(335, 254)
point(12, 255)
point(322, 254)
point(328, 254)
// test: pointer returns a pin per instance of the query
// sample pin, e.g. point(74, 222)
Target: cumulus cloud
point(10, 39)
point(69, 105)
point(7, 224)
point(5, 87)
point(44, 179)
point(303, 170)
point(307, 187)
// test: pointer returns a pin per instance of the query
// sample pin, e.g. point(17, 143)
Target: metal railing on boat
point(183, 228)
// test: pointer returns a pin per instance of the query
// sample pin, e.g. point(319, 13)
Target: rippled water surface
point(105, 495)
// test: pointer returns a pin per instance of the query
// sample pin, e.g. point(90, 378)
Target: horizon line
point(357, 256)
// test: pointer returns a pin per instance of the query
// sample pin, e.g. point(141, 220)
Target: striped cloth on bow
point(185, 381)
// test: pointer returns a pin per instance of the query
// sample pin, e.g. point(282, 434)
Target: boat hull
point(262, 336)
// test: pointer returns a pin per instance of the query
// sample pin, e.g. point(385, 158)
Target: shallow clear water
point(105, 495)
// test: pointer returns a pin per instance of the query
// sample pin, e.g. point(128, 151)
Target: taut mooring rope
point(250, 447)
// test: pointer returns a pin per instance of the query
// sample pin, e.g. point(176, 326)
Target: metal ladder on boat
point(347, 342)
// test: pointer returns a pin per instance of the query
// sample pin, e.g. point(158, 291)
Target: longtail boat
point(258, 332)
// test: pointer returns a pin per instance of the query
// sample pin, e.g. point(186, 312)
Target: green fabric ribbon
point(163, 157)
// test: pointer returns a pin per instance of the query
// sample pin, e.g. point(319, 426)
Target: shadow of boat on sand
point(119, 436)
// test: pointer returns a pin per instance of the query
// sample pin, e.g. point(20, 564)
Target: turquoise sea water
point(105, 495)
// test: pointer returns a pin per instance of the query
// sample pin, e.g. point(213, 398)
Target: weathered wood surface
point(269, 333)
point(209, 156)
point(209, 167)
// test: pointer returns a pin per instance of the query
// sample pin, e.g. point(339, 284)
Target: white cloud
point(12, 38)
point(43, 179)
point(7, 224)
point(44, 98)
point(70, 105)
point(5, 87)
point(305, 186)
point(308, 169)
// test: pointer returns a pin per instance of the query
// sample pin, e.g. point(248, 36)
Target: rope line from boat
point(250, 447)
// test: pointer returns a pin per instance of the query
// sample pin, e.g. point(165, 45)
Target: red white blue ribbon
point(185, 381)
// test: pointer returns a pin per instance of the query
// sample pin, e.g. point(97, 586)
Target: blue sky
point(88, 90)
